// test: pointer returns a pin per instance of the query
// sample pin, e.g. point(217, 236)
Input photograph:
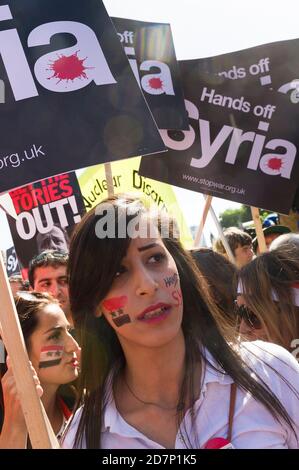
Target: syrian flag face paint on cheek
point(50, 356)
point(115, 307)
point(115, 303)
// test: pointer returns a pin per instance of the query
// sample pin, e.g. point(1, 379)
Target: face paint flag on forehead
point(70, 97)
point(242, 142)
point(150, 51)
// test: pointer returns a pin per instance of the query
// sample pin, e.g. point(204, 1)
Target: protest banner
point(6, 205)
point(241, 144)
point(12, 265)
point(273, 66)
point(125, 176)
point(150, 51)
point(71, 98)
point(47, 212)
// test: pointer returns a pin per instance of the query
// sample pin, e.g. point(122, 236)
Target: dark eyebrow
point(147, 247)
point(55, 328)
point(44, 279)
point(65, 278)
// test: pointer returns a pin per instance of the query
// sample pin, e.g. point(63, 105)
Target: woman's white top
point(253, 425)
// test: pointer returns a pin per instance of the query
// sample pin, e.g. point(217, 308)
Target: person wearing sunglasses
point(250, 326)
point(268, 297)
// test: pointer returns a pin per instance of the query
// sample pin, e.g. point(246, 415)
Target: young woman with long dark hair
point(158, 361)
point(53, 353)
point(268, 297)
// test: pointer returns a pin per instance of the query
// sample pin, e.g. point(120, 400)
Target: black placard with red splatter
point(47, 212)
point(273, 66)
point(68, 96)
point(242, 143)
point(151, 54)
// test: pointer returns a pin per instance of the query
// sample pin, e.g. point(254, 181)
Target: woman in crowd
point(158, 363)
point(54, 357)
point(221, 277)
point(268, 297)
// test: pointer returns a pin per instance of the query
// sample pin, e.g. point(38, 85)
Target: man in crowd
point(271, 233)
point(240, 244)
point(48, 273)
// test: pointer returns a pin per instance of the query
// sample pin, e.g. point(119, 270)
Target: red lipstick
point(155, 313)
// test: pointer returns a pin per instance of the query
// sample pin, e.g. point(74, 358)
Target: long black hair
point(93, 263)
point(28, 306)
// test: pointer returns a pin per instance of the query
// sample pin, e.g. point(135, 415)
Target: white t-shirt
point(253, 425)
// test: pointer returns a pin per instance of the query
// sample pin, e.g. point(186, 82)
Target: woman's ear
point(98, 312)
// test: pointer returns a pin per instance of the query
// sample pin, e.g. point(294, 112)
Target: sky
point(203, 29)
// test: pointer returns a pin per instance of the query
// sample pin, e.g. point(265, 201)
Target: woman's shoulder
point(68, 438)
point(267, 352)
point(270, 360)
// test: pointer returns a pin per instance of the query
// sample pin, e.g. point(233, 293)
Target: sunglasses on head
point(51, 254)
point(244, 313)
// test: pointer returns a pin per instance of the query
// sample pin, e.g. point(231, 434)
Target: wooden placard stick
point(259, 229)
point(109, 179)
point(222, 237)
point(40, 431)
point(208, 202)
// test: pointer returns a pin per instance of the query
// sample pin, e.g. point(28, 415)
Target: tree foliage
point(235, 217)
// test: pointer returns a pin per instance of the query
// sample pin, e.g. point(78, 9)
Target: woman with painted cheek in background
point(159, 364)
point(268, 297)
point(249, 324)
point(54, 357)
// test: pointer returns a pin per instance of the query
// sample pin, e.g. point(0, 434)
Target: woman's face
point(250, 327)
point(52, 350)
point(144, 305)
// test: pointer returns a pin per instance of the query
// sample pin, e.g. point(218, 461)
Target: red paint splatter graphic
point(155, 83)
point(275, 163)
point(115, 303)
point(68, 67)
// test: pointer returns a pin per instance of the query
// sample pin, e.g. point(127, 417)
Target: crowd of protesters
point(177, 349)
